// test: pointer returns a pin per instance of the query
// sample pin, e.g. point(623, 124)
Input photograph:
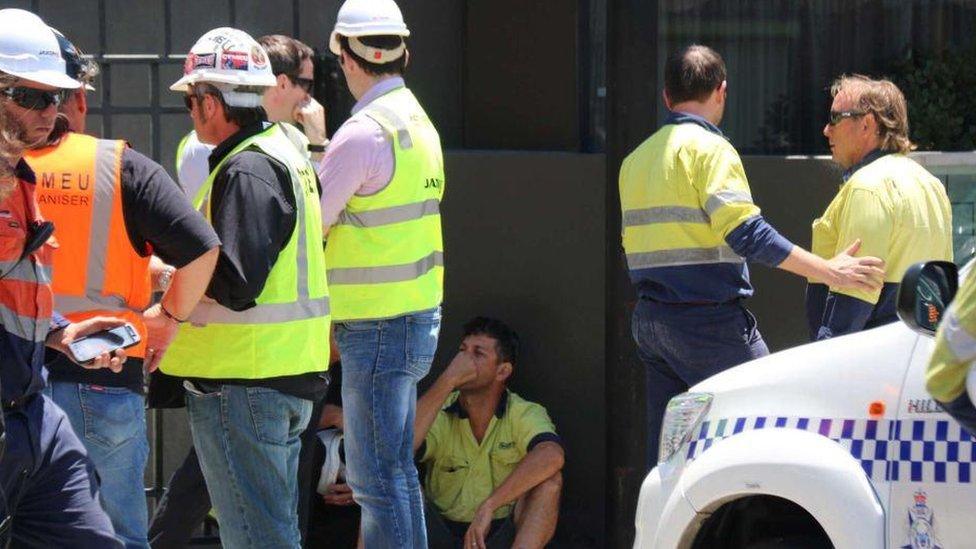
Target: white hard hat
point(369, 18)
point(29, 50)
point(228, 58)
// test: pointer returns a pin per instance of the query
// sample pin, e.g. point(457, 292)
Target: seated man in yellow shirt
point(492, 459)
point(899, 210)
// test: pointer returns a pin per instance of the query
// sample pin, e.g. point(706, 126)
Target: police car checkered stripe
point(888, 450)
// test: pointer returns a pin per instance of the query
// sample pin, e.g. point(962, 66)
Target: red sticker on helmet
point(233, 60)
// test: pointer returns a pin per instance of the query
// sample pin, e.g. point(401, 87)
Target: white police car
point(835, 443)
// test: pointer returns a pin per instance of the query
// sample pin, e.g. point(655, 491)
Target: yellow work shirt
point(955, 346)
point(900, 212)
point(461, 473)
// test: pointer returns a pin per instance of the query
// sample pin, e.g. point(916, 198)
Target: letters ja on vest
point(385, 254)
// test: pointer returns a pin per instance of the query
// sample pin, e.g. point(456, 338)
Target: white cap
point(30, 50)
point(228, 59)
point(359, 18)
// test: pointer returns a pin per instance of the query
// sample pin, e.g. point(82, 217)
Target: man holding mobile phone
point(49, 494)
point(114, 208)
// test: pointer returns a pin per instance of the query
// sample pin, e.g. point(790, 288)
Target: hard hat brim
point(49, 78)
point(334, 37)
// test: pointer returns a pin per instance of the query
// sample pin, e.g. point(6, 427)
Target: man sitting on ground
point(492, 459)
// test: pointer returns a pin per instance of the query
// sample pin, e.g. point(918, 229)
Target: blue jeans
point(49, 484)
point(382, 361)
point(681, 345)
point(247, 440)
point(111, 422)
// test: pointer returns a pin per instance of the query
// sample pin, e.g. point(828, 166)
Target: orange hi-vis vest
point(96, 270)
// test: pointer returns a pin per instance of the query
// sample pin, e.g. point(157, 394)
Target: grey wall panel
point(133, 26)
point(260, 17)
point(77, 20)
point(436, 56)
point(192, 18)
point(169, 73)
point(524, 242)
point(134, 128)
point(173, 128)
point(792, 192)
point(130, 85)
point(316, 20)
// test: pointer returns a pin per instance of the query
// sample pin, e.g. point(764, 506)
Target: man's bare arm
point(460, 370)
point(842, 271)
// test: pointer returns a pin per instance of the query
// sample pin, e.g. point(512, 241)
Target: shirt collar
point(227, 145)
point(24, 172)
point(382, 88)
point(458, 410)
point(868, 158)
point(679, 117)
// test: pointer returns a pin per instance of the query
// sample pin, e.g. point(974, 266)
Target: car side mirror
point(925, 293)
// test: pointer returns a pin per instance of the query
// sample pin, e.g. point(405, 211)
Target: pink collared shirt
point(359, 159)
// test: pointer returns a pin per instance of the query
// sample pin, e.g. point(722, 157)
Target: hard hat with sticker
point(233, 62)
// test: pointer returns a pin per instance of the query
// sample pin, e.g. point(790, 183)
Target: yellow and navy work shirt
point(955, 351)
point(902, 214)
point(689, 222)
point(461, 473)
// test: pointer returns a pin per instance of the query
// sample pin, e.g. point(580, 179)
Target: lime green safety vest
point(287, 332)
point(385, 253)
point(179, 152)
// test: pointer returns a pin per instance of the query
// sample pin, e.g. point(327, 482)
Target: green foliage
point(941, 98)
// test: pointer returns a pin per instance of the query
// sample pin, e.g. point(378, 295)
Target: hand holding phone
point(87, 348)
point(60, 339)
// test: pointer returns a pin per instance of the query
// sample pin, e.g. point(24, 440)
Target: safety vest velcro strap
point(24, 327)
point(386, 274)
point(664, 214)
point(723, 198)
point(24, 271)
point(388, 216)
point(66, 304)
point(381, 111)
point(264, 313)
point(683, 256)
point(960, 342)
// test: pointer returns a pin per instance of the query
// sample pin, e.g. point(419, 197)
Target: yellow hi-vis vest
point(385, 254)
point(287, 332)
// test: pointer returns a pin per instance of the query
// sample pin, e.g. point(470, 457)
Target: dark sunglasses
point(304, 83)
point(35, 99)
point(836, 117)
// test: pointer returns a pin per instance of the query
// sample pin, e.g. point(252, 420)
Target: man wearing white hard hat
point(49, 494)
point(382, 180)
point(114, 209)
point(254, 352)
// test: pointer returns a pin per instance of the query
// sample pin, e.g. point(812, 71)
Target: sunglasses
point(188, 101)
point(35, 99)
point(304, 83)
point(836, 117)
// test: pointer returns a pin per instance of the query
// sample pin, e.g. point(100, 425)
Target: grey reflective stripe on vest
point(24, 327)
point(683, 256)
point(664, 214)
point(265, 313)
point(393, 214)
point(390, 273)
point(960, 342)
point(403, 133)
point(66, 304)
point(722, 198)
point(302, 228)
point(24, 271)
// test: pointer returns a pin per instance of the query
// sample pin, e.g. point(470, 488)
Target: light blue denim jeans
point(111, 423)
point(382, 361)
point(247, 439)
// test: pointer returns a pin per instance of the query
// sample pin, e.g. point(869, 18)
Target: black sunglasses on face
point(836, 117)
point(188, 101)
point(304, 83)
point(35, 99)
